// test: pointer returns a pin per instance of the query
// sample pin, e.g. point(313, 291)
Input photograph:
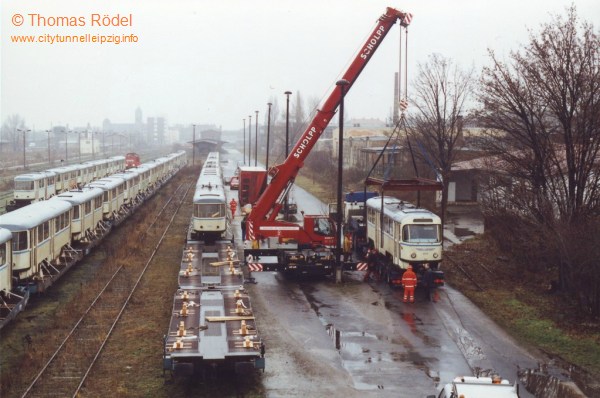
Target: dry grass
point(520, 302)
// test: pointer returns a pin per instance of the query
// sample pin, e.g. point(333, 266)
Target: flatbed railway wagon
point(212, 323)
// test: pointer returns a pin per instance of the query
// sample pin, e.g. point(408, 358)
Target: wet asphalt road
point(385, 348)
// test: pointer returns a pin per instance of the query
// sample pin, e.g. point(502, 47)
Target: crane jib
point(372, 43)
point(284, 175)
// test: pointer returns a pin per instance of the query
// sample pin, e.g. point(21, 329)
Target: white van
point(479, 387)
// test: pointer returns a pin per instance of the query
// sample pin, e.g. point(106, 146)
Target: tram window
point(210, 210)
point(19, 240)
point(2, 254)
point(371, 216)
point(75, 212)
point(88, 208)
point(23, 185)
point(43, 231)
point(420, 233)
point(387, 225)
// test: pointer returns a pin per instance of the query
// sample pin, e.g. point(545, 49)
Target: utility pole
point(268, 134)
point(194, 145)
point(49, 160)
point(249, 139)
point(343, 84)
point(244, 141)
point(287, 146)
point(24, 144)
point(256, 140)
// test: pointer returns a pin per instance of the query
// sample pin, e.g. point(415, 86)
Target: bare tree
point(9, 131)
point(442, 92)
point(542, 111)
point(297, 116)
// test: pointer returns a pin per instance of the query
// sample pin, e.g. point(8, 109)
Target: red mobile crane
point(318, 230)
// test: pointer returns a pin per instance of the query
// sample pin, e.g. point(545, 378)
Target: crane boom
point(283, 175)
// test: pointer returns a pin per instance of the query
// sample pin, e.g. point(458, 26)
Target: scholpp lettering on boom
point(304, 142)
point(371, 44)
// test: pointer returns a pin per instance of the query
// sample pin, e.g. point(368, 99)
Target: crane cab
point(251, 184)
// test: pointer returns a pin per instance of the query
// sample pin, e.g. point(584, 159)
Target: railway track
point(66, 371)
point(474, 272)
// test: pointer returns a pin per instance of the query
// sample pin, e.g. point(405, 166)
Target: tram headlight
point(413, 255)
point(435, 255)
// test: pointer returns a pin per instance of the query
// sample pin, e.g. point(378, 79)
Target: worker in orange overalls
point(347, 247)
point(409, 281)
point(233, 207)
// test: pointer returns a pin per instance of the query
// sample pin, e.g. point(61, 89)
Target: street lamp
point(24, 140)
point(244, 141)
point(268, 134)
point(287, 134)
point(49, 160)
point(256, 140)
point(67, 145)
point(93, 149)
point(79, 143)
point(249, 139)
point(343, 84)
point(194, 145)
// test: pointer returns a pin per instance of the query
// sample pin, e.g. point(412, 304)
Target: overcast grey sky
point(217, 61)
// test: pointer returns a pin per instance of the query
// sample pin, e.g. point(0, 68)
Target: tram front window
point(210, 210)
point(420, 233)
point(23, 185)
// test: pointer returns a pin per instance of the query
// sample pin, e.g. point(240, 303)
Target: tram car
point(36, 186)
point(404, 235)
point(31, 188)
point(66, 177)
point(13, 298)
point(39, 242)
point(209, 220)
point(87, 221)
point(132, 186)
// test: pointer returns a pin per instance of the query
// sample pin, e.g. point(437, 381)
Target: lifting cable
point(403, 103)
point(402, 106)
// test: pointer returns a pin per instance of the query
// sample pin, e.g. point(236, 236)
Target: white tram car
point(404, 235)
point(86, 214)
point(42, 240)
point(36, 186)
point(209, 220)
